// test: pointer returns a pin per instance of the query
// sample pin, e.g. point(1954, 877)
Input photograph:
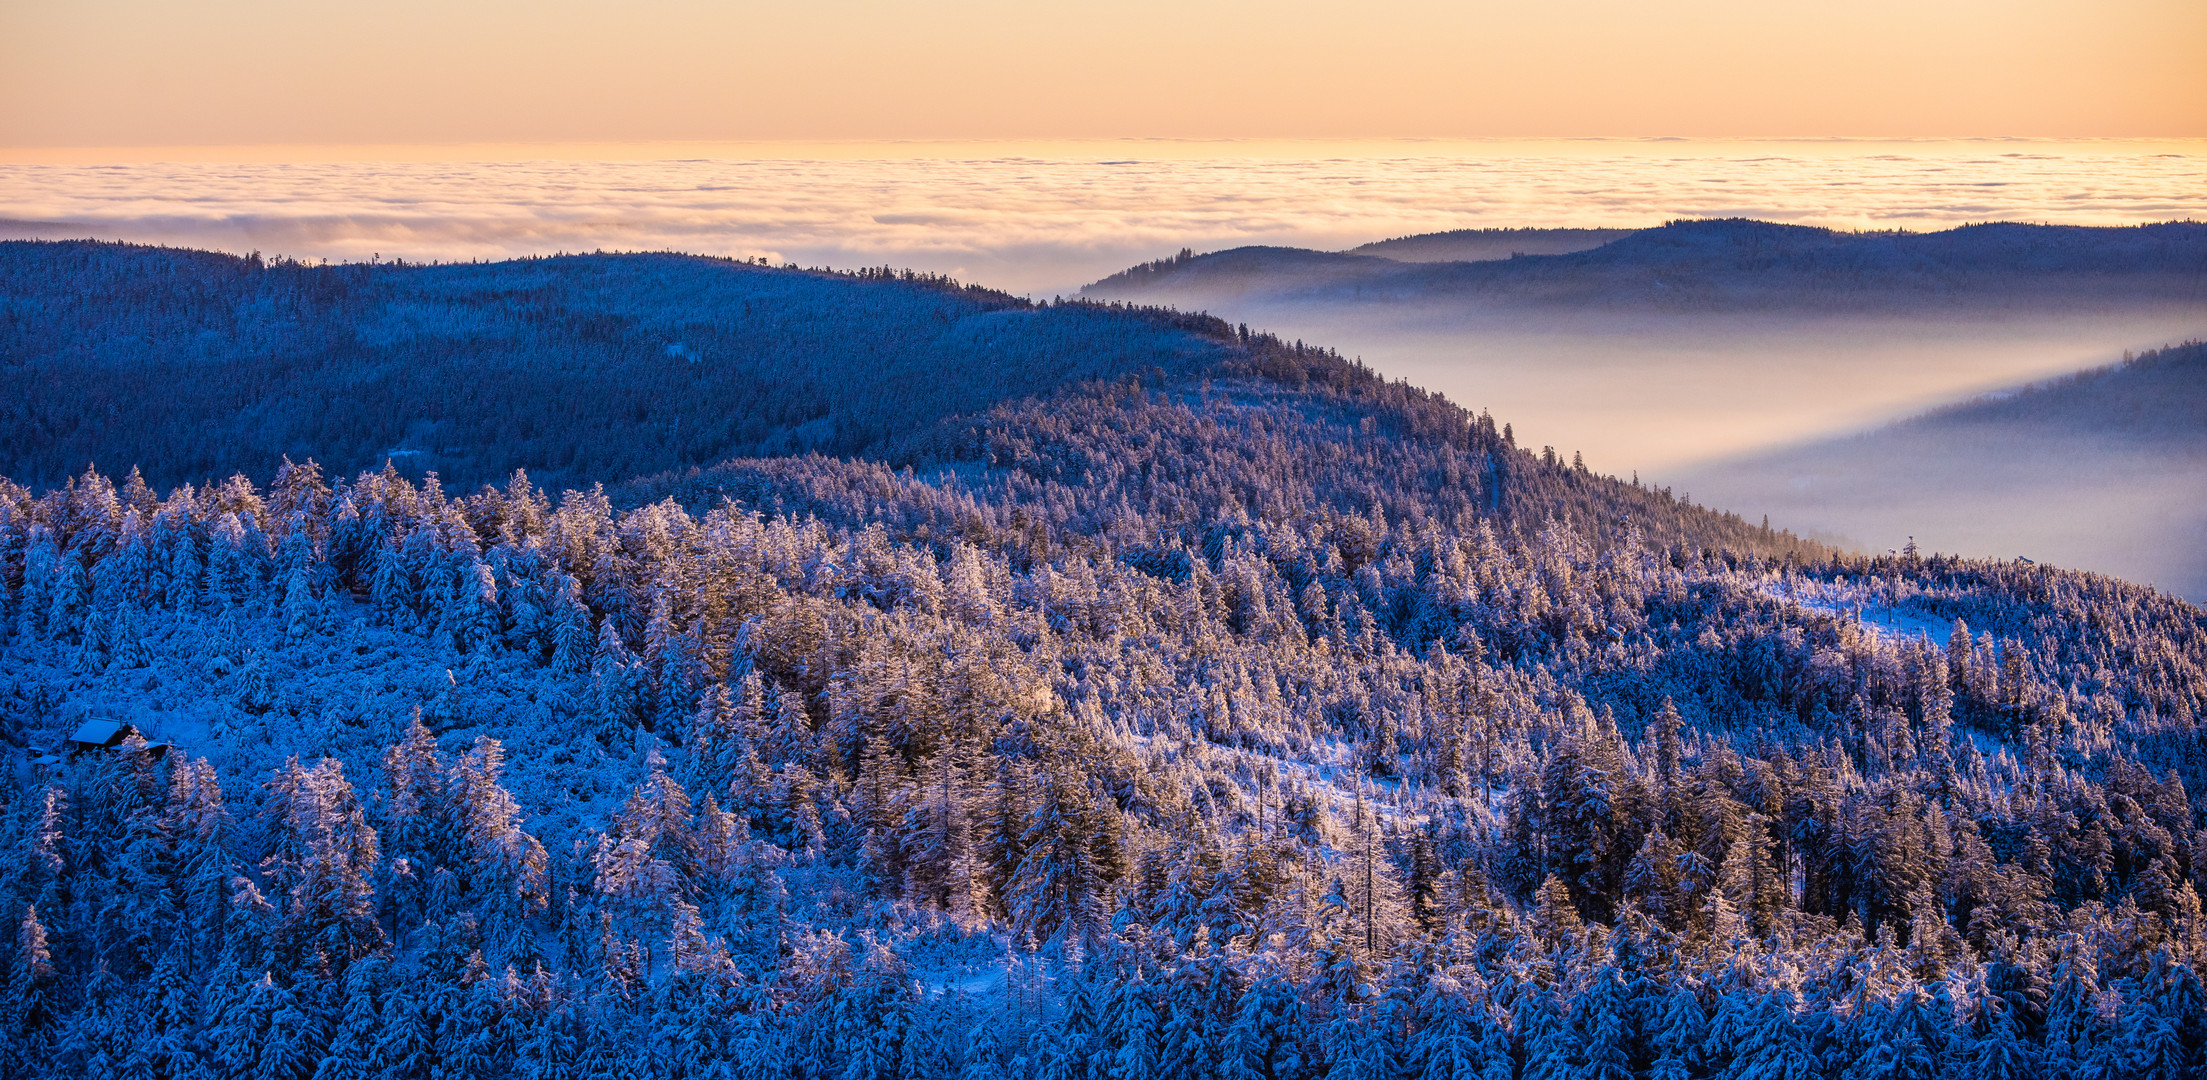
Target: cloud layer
point(1044, 224)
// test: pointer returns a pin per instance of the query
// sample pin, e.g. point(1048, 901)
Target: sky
point(316, 73)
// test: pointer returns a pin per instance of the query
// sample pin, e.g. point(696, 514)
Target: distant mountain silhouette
point(2156, 400)
point(1717, 265)
point(1482, 245)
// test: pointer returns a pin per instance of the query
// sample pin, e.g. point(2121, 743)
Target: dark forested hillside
point(2158, 399)
point(1260, 720)
point(1478, 245)
point(1724, 265)
point(192, 366)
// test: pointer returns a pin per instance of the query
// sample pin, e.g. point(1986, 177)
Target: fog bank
point(1044, 220)
point(2106, 470)
point(1657, 393)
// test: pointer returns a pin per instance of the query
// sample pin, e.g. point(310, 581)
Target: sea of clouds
point(1047, 222)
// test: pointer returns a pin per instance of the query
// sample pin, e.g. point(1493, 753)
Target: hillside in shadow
point(193, 365)
point(1482, 245)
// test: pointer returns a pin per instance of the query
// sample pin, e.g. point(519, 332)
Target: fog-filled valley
point(2106, 469)
point(1698, 353)
point(756, 672)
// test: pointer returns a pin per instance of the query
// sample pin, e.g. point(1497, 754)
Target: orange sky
point(261, 72)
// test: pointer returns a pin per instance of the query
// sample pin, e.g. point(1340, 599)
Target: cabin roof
point(99, 731)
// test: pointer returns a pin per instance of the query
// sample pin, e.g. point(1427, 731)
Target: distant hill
point(2104, 468)
point(2154, 401)
point(648, 373)
point(193, 365)
point(1482, 245)
point(1716, 266)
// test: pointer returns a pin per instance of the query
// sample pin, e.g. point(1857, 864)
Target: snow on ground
point(1867, 609)
point(346, 694)
point(976, 984)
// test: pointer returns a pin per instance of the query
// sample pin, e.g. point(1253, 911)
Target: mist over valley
point(1697, 356)
point(2106, 469)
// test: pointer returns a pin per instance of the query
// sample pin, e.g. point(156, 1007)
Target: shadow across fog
point(2106, 470)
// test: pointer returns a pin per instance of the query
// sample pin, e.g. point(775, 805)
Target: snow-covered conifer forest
point(1191, 704)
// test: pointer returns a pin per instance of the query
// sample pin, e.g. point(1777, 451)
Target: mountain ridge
point(949, 382)
point(1724, 264)
point(585, 368)
point(1481, 245)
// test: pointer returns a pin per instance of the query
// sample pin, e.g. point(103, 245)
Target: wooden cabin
point(104, 733)
point(100, 733)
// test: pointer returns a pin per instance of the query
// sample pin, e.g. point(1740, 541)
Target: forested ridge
point(1727, 265)
point(2106, 465)
point(1474, 245)
point(192, 366)
point(2157, 397)
point(1253, 718)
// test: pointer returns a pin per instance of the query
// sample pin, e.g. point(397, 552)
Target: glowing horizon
point(1038, 225)
point(229, 73)
point(1143, 148)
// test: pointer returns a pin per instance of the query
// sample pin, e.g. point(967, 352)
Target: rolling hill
point(1717, 265)
point(193, 365)
point(1482, 245)
point(1147, 697)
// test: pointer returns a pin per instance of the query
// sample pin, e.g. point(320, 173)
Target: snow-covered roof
point(99, 731)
